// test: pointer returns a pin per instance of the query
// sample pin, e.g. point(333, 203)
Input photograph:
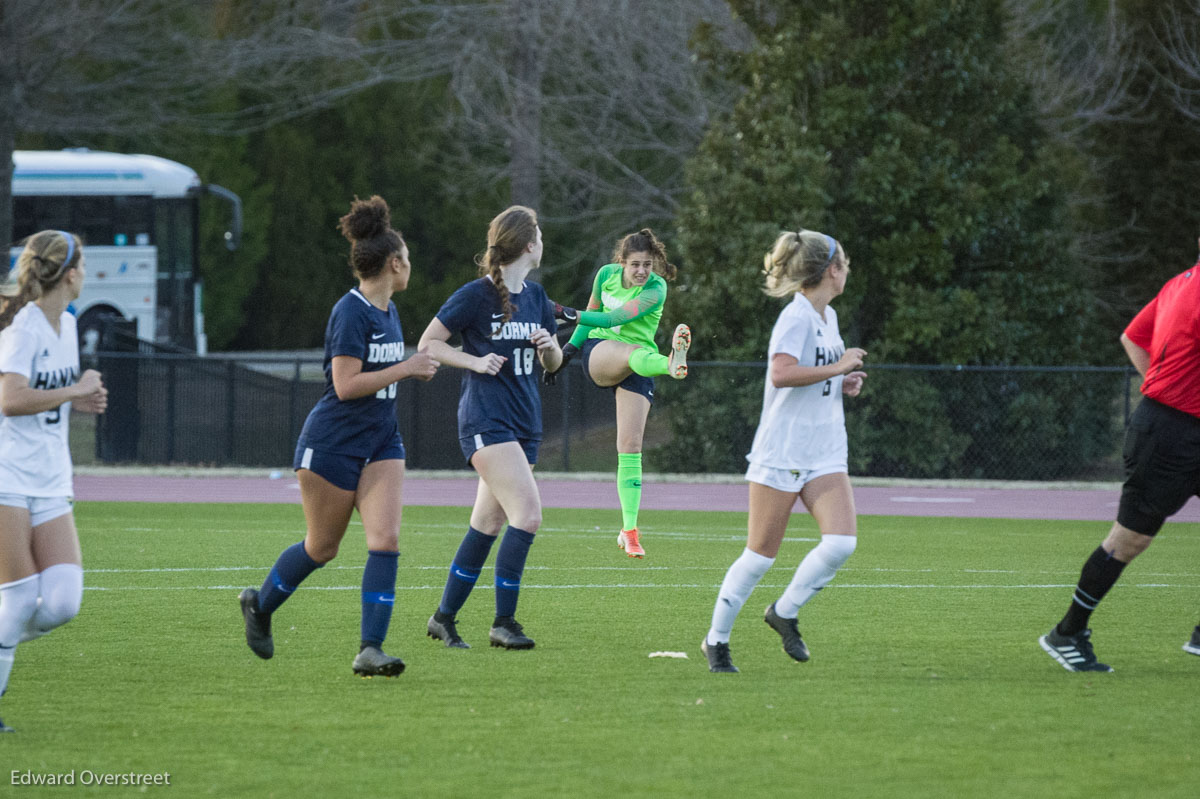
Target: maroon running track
point(903, 500)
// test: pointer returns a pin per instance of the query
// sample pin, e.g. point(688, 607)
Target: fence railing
point(1024, 422)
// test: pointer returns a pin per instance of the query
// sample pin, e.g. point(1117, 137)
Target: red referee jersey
point(1169, 329)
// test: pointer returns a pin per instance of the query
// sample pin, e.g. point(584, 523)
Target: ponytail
point(40, 267)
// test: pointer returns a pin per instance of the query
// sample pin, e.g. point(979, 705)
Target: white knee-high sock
point(61, 593)
point(739, 581)
point(18, 601)
point(814, 572)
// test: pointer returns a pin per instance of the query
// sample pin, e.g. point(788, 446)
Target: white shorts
point(41, 509)
point(789, 480)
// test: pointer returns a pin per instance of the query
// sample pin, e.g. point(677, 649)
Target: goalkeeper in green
point(615, 337)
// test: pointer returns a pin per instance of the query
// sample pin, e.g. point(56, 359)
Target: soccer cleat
point(5, 728)
point(258, 625)
point(718, 657)
point(442, 627)
point(1073, 652)
point(677, 362)
point(628, 541)
point(374, 662)
point(793, 644)
point(506, 632)
point(1193, 645)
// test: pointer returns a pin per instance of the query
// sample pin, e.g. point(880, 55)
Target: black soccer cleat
point(506, 632)
point(5, 728)
point(793, 644)
point(718, 657)
point(374, 662)
point(1193, 644)
point(1073, 652)
point(258, 625)
point(442, 627)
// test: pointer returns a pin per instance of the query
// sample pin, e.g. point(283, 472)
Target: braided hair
point(513, 229)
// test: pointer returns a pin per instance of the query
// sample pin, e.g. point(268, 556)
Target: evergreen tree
point(900, 129)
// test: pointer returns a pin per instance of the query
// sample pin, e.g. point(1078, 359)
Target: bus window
point(134, 220)
point(31, 214)
point(94, 220)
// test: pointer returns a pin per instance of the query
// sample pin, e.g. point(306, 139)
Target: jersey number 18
point(523, 361)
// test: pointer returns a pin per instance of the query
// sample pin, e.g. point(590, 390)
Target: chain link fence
point(1028, 423)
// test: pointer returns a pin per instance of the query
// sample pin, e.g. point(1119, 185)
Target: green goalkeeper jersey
point(622, 314)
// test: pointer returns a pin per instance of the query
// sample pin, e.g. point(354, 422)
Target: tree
point(586, 110)
point(902, 130)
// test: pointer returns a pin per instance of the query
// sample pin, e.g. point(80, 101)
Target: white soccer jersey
point(35, 459)
point(803, 427)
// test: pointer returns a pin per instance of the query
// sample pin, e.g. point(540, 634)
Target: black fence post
point(566, 420)
point(170, 410)
point(230, 407)
point(293, 401)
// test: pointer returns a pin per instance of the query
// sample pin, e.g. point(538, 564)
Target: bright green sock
point(648, 363)
point(629, 487)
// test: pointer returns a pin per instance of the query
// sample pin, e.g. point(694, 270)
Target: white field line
point(601, 586)
point(628, 569)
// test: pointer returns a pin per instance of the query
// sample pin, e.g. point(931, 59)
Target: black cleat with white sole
point(1193, 644)
point(1073, 652)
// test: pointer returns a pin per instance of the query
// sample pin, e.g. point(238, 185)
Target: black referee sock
point(1100, 573)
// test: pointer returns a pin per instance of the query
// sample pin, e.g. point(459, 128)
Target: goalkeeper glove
point(568, 352)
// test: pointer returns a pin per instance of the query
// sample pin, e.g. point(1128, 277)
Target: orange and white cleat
point(677, 363)
point(628, 541)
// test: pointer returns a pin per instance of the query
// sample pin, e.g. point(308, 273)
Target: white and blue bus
point(138, 216)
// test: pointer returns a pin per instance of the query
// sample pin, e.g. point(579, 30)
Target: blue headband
point(832, 249)
point(70, 246)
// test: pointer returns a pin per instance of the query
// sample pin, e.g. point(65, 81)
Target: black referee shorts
point(1162, 466)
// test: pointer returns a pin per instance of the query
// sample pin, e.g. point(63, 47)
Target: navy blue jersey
point(510, 399)
point(355, 427)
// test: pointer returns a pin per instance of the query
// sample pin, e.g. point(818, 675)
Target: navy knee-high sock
point(510, 565)
point(285, 576)
point(1100, 573)
point(378, 596)
point(464, 570)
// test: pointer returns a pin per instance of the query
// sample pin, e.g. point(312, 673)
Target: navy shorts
point(635, 382)
point(472, 444)
point(344, 470)
point(1162, 466)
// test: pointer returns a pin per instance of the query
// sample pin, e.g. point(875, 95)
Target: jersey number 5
point(523, 361)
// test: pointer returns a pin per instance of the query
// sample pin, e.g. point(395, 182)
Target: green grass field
point(926, 678)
